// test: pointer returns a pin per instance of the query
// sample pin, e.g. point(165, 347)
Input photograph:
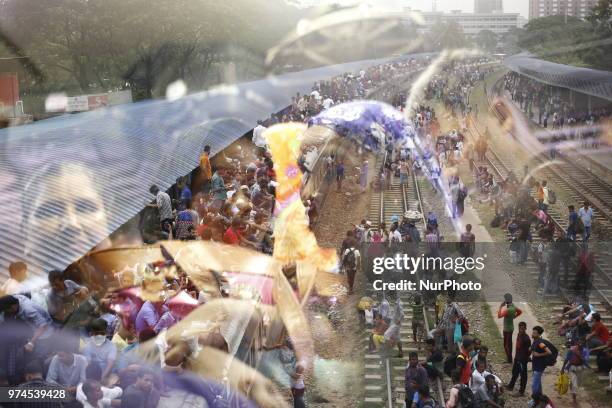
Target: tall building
point(488, 6)
point(545, 8)
point(473, 23)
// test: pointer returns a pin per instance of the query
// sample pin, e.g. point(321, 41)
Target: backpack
point(466, 396)
point(450, 363)
point(430, 404)
point(552, 197)
point(550, 360)
point(350, 261)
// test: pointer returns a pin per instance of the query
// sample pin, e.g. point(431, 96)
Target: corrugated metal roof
point(588, 81)
point(68, 182)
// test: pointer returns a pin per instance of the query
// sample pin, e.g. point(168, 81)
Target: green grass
point(595, 388)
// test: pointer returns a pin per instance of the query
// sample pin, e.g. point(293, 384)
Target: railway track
point(579, 183)
point(601, 285)
point(384, 371)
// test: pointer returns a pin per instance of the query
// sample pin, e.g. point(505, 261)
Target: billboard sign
point(77, 103)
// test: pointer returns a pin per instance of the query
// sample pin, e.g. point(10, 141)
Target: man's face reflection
point(67, 211)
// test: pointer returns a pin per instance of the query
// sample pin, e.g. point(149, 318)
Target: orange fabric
point(205, 167)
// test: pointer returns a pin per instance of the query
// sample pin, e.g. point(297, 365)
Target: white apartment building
point(473, 23)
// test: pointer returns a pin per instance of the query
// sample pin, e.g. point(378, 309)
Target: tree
point(600, 18)
point(509, 41)
point(84, 46)
point(567, 40)
point(486, 39)
point(447, 35)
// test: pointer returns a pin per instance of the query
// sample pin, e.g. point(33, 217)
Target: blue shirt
point(67, 376)
point(33, 315)
point(57, 300)
point(148, 316)
point(186, 194)
point(100, 354)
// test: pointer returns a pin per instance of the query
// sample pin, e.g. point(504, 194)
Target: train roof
point(588, 81)
point(122, 150)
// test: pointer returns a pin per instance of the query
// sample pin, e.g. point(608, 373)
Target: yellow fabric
point(562, 383)
point(205, 167)
point(378, 340)
point(365, 302)
point(119, 342)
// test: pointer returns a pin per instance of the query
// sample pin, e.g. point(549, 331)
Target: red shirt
point(601, 331)
point(231, 236)
point(465, 363)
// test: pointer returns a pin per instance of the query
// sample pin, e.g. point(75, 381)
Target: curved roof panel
point(584, 80)
point(69, 181)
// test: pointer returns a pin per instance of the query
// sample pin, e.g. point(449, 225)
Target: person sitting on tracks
point(599, 334)
point(392, 337)
point(435, 359)
point(377, 337)
point(415, 377)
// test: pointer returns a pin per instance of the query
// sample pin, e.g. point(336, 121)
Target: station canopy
point(70, 181)
point(584, 80)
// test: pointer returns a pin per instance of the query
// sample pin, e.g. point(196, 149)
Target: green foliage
point(486, 39)
point(85, 46)
point(570, 40)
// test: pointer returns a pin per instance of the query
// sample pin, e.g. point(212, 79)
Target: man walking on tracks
point(541, 356)
point(521, 358)
point(351, 261)
point(508, 312)
point(586, 216)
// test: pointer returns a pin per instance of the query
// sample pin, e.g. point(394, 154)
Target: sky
point(510, 6)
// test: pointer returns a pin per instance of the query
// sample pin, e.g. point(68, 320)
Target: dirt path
point(498, 279)
point(337, 380)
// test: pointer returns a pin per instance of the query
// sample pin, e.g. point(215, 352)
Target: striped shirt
point(165, 205)
point(450, 313)
point(417, 312)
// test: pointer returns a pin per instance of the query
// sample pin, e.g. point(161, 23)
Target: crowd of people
point(449, 349)
point(554, 110)
point(523, 210)
point(72, 337)
point(85, 340)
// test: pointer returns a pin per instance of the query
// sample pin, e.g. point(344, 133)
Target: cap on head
point(508, 298)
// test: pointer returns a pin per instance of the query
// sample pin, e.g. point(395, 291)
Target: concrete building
point(545, 8)
point(473, 23)
point(488, 6)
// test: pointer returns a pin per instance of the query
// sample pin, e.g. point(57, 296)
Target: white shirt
point(327, 103)
point(395, 236)
point(546, 199)
point(258, 139)
point(586, 216)
point(108, 394)
point(11, 287)
point(392, 333)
